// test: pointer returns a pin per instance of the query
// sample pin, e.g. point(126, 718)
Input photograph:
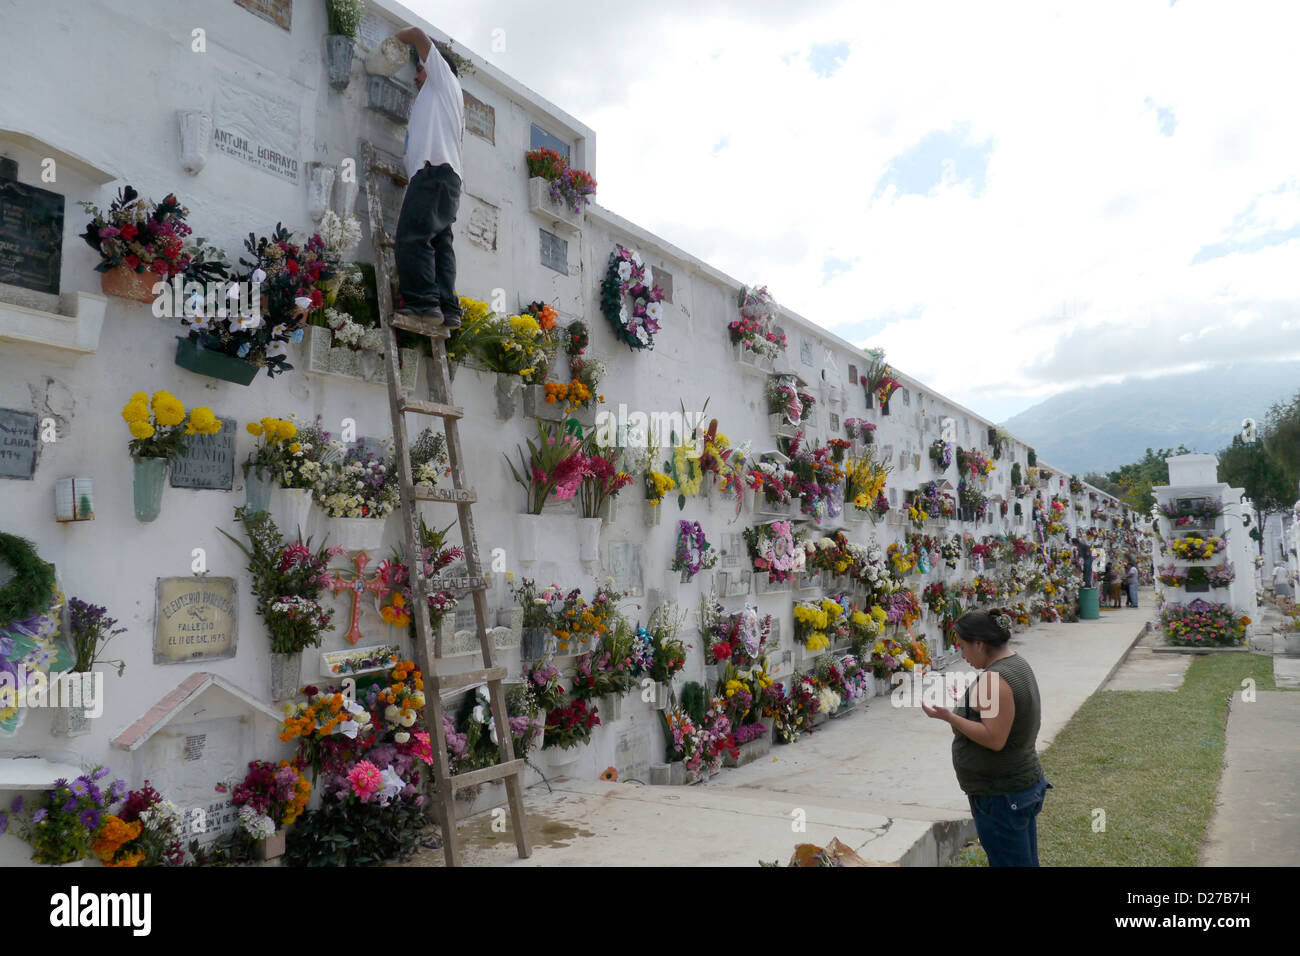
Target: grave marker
point(207, 461)
point(18, 444)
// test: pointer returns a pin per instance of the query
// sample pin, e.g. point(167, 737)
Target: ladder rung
point(487, 774)
point(464, 583)
point(459, 496)
point(411, 323)
point(432, 408)
point(483, 675)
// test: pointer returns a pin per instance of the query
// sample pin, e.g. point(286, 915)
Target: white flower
point(623, 316)
point(636, 260)
point(302, 302)
point(655, 310)
point(401, 737)
point(391, 713)
point(248, 323)
point(259, 276)
point(348, 728)
point(390, 784)
point(641, 335)
point(624, 270)
point(274, 349)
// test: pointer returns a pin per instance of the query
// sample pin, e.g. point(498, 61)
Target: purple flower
point(116, 790)
point(17, 805)
point(90, 819)
point(99, 774)
point(39, 815)
point(61, 782)
point(71, 805)
point(4, 822)
point(81, 786)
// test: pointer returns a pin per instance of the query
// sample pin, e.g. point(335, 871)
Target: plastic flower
point(366, 779)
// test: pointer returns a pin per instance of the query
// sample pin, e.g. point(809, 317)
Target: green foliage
point(32, 586)
point(1282, 438)
point(345, 16)
point(1135, 480)
point(1102, 483)
point(695, 701)
point(351, 833)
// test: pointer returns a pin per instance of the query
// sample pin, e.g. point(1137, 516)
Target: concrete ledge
point(1202, 650)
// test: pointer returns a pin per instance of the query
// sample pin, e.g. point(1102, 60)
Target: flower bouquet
point(693, 553)
point(138, 239)
point(772, 549)
point(63, 823)
point(568, 186)
point(1202, 624)
point(634, 325)
point(553, 466)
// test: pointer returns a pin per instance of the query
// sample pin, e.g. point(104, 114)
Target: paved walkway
point(880, 779)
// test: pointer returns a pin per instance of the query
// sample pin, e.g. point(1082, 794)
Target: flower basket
point(125, 283)
point(194, 358)
point(553, 211)
point(286, 675)
point(147, 486)
point(357, 534)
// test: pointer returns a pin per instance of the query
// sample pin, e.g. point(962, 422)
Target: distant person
point(1109, 587)
point(1132, 577)
point(1281, 581)
point(993, 747)
point(1085, 555)
point(426, 263)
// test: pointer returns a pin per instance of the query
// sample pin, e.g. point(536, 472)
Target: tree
point(1102, 483)
point(1282, 440)
point(1251, 467)
point(1135, 481)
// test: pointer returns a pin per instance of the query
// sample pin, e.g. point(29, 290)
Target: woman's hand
point(938, 713)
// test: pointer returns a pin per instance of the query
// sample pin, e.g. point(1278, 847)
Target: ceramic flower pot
point(559, 760)
point(150, 479)
point(661, 695)
point(286, 675)
point(338, 60)
point(589, 539)
point(534, 643)
point(126, 283)
point(357, 534)
point(71, 722)
point(258, 490)
point(291, 511)
point(611, 708)
point(507, 391)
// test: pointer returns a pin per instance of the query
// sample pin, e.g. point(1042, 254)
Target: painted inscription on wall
point(256, 126)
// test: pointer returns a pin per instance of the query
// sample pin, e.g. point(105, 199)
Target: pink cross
point(358, 584)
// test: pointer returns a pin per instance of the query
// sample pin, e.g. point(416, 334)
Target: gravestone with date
point(207, 461)
point(31, 244)
point(19, 443)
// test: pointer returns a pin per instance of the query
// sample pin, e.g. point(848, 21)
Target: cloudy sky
point(1011, 198)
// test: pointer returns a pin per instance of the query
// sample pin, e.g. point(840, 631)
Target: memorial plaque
point(279, 12)
point(739, 582)
point(555, 252)
point(18, 444)
point(733, 552)
point(194, 619)
point(805, 350)
point(31, 236)
point(483, 223)
point(480, 118)
point(625, 567)
point(390, 98)
point(373, 31)
point(207, 461)
point(256, 126)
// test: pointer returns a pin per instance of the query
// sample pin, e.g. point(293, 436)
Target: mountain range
point(1099, 429)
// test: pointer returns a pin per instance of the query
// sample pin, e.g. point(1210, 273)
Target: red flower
point(132, 262)
point(129, 232)
point(158, 266)
point(316, 299)
point(291, 266)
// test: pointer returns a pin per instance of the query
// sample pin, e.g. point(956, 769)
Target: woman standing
point(994, 733)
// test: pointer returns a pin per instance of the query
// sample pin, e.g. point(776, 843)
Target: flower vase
point(529, 529)
point(882, 686)
point(126, 283)
point(672, 585)
point(150, 478)
point(559, 759)
point(507, 392)
point(338, 60)
point(71, 721)
point(533, 643)
point(661, 695)
point(611, 708)
point(1292, 643)
point(291, 511)
point(272, 847)
point(589, 538)
point(286, 673)
point(368, 364)
point(357, 534)
point(653, 512)
point(257, 490)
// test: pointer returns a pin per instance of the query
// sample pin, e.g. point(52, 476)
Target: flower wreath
point(29, 591)
point(694, 553)
point(778, 550)
point(636, 325)
point(687, 472)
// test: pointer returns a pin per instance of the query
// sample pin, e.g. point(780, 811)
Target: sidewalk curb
point(1142, 632)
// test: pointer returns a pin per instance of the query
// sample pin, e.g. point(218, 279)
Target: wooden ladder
point(510, 769)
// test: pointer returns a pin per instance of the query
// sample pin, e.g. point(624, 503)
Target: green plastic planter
point(194, 358)
point(1089, 609)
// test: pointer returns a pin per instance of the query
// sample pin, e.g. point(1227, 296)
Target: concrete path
point(880, 779)
point(1256, 820)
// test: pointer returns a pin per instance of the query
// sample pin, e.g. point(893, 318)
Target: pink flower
point(421, 747)
point(365, 779)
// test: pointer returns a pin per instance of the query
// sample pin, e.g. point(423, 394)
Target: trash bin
point(1088, 607)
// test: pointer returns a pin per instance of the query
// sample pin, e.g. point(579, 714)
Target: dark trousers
point(426, 264)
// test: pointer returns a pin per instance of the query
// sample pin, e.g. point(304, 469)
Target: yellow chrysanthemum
point(168, 411)
point(254, 428)
point(136, 411)
point(295, 448)
point(140, 397)
point(141, 430)
point(287, 429)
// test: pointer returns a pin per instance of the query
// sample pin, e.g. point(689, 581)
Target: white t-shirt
point(437, 125)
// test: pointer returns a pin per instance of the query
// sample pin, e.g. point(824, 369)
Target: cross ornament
point(358, 584)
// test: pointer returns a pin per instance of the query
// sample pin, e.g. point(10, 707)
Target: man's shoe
point(430, 315)
point(451, 321)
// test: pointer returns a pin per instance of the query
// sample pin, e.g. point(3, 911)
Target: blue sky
point(976, 189)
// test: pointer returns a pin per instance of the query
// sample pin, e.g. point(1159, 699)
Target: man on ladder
point(426, 263)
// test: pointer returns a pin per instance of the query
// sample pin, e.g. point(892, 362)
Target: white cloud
point(1074, 262)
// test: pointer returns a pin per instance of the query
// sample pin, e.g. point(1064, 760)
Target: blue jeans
point(1008, 825)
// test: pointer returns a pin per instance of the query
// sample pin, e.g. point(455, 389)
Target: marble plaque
point(256, 126)
point(625, 567)
point(480, 118)
point(194, 619)
point(482, 222)
point(207, 461)
point(31, 236)
point(555, 252)
point(19, 443)
point(279, 12)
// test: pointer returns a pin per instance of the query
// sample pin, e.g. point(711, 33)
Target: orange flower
point(610, 774)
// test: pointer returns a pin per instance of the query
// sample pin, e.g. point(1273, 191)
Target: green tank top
point(988, 773)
